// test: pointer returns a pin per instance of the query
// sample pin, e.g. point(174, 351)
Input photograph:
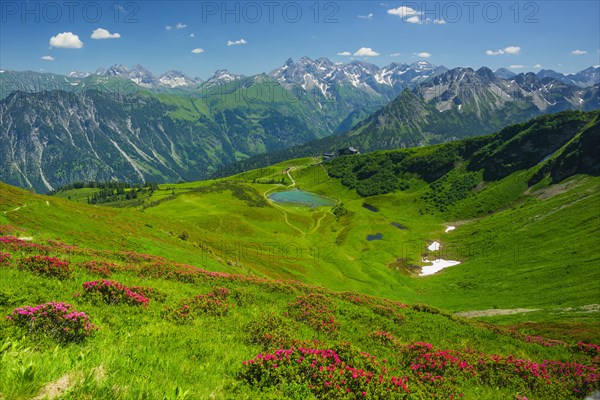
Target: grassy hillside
point(217, 274)
point(141, 325)
point(440, 187)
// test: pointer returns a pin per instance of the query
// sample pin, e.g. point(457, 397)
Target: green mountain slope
point(167, 320)
point(421, 189)
point(213, 280)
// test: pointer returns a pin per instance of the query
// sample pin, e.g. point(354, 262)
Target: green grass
point(127, 357)
point(520, 246)
point(502, 252)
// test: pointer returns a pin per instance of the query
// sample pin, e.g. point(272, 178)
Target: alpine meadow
point(408, 207)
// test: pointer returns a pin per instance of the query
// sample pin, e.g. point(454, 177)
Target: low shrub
point(56, 320)
point(270, 330)
point(112, 292)
point(316, 311)
point(45, 266)
point(243, 296)
point(5, 259)
point(101, 268)
point(214, 303)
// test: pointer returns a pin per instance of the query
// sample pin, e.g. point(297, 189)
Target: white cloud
point(101, 33)
point(439, 21)
point(395, 55)
point(424, 54)
point(507, 50)
point(366, 52)
point(537, 66)
point(517, 66)
point(198, 51)
point(578, 52)
point(403, 11)
point(236, 43)
point(168, 27)
point(344, 53)
point(368, 17)
point(192, 35)
point(414, 20)
point(48, 58)
point(67, 40)
point(180, 25)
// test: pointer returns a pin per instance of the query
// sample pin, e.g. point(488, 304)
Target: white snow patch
point(435, 246)
point(436, 266)
point(450, 228)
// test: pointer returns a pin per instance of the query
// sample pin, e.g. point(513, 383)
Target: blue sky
point(251, 37)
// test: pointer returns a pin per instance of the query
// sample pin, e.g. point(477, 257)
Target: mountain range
point(128, 124)
point(456, 104)
point(321, 74)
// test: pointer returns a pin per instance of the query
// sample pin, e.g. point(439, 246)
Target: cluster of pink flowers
point(46, 266)
point(15, 244)
point(545, 341)
point(550, 378)
point(57, 320)
point(421, 370)
point(112, 292)
point(5, 259)
point(326, 374)
point(102, 268)
point(315, 310)
point(589, 349)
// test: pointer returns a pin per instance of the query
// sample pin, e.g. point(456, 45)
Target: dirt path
point(285, 214)
point(494, 311)
point(318, 224)
point(588, 308)
point(57, 388)
point(16, 209)
point(290, 176)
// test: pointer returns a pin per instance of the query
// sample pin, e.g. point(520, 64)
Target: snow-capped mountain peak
point(175, 79)
point(323, 74)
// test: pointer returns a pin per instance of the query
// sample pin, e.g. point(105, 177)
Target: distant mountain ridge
point(456, 104)
point(324, 73)
point(321, 75)
point(232, 122)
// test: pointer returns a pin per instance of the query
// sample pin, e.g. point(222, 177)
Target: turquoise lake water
point(301, 198)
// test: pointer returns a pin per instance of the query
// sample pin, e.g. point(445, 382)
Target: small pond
point(399, 225)
point(370, 207)
point(301, 198)
point(375, 236)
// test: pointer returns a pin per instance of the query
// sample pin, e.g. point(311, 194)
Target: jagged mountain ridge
point(321, 75)
point(231, 124)
point(324, 74)
point(457, 104)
